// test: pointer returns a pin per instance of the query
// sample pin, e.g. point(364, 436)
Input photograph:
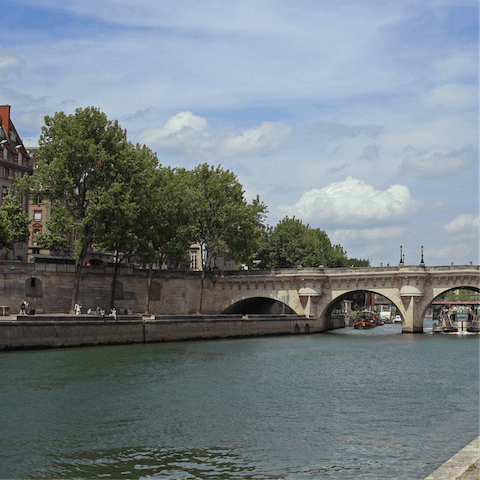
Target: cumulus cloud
point(449, 252)
point(341, 235)
point(351, 201)
point(438, 162)
point(462, 222)
point(11, 65)
point(190, 134)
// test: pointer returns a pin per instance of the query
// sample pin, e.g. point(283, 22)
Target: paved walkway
point(462, 466)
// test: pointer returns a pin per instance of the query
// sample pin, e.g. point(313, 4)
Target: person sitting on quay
point(113, 312)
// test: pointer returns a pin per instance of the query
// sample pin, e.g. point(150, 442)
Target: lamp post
point(402, 257)
point(421, 260)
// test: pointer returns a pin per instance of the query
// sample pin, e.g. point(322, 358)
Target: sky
point(357, 117)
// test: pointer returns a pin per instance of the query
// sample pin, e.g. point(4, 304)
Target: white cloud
point(341, 235)
point(11, 65)
point(448, 252)
point(452, 95)
point(437, 163)
point(351, 201)
point(191, 135)
point(465, 221)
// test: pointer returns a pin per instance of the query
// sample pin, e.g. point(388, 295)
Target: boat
point(365, 319)
point(397, 319)
point(457, 321)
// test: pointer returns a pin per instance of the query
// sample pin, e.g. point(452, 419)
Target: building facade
point(15, 161)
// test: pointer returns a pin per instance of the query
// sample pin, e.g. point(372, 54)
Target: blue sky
point(360, 118)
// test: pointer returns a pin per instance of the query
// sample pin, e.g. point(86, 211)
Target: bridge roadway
point(313, 292)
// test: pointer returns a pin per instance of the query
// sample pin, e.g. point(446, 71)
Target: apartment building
point(15, 161)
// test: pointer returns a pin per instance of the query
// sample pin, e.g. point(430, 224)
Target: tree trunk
point(114, 282)
point(78, 274)
point(202, 279)
point(149, 281)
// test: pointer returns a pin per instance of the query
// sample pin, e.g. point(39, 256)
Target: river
point(349, 404)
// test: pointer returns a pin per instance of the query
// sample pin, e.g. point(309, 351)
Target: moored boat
point(457, 321)
point(364, 320)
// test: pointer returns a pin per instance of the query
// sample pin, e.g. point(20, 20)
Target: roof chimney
point(5, 117)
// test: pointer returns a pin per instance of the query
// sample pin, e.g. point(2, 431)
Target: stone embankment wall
point(48, 287)
point(47, 331)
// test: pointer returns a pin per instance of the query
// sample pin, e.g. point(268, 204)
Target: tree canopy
point(225, 223)
point(89, 172)
point(291, 243)
point(14, 223)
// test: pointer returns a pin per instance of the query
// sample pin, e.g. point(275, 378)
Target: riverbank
point(61, 330)
point(462, 466)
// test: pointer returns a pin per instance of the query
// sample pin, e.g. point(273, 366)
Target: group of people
point(77, 307)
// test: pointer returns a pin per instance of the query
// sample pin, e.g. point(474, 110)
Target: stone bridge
point(314, 292)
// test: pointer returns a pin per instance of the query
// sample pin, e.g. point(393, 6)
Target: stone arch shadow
point(260, 306)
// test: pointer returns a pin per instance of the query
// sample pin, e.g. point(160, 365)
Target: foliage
point(291, 243)
point(14, 223)
point(87, 169)
point(225, 224)
point(358, 262)
point(462, 295)
point(81, 154)
point(120, 207)
point(171, 216)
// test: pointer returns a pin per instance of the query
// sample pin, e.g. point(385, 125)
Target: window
point(20, 158)
point(4, 191)
point(194, 259)
point(6, 172)
point(5, 154)
point(37, 215)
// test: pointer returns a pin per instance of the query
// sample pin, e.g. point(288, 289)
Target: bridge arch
point(259, 305)
point(440, 291)
point(328, 309)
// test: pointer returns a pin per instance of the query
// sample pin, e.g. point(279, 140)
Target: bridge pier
point(412, 321)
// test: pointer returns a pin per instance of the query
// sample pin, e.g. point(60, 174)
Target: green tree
point(291, 243)
point(118, 210)
point(82, 153)
point(225, 224)
point(358, 262)
point(14, 223)
point(172, 213)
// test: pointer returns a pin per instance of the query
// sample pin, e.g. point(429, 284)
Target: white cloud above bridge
point(191, 135)
point(351, 201)
point(462, 222)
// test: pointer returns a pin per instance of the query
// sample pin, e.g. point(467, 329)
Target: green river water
point(349, 404)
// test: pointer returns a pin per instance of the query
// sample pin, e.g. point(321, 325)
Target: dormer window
point(12, 136)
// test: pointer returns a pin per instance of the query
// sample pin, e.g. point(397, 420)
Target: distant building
point(15, 161)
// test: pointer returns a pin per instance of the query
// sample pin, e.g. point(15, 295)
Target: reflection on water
point(349, 404)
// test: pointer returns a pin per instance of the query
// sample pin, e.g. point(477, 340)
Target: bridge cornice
point(352, 273)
